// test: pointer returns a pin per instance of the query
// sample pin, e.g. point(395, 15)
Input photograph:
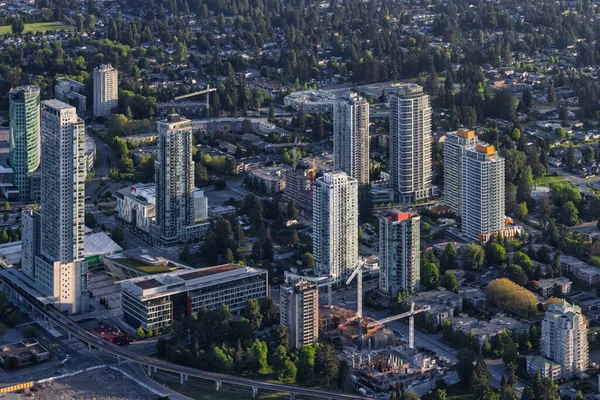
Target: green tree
point(259, 353)
point(448, 258)
point(294, 239)
point(309, 260)
point(569, 215)
point(17, 25)
point(510, 354)
point(449, 282)
point(252, 312)
point(279, 336)
point(229, 259)
point(268, 310)
point(440, 394)
point(305, 364)
point(495, 254)
point(522, 211)
point(473, 257)
point(140, 333)
point(2, 332)
point(430, 275)
point(326, 363)
point(480, 382)
point(283, 365)
point(292, 212)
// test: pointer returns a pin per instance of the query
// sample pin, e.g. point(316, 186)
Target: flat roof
point(209, 271)
point(161, 285)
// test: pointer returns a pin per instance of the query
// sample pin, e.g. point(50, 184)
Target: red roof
point(401, 216)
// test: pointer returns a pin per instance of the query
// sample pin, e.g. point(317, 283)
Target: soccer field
point(40, 27)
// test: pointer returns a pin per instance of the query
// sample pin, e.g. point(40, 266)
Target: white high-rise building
point(564, 338)
point(106, 90)
point(454, 150)
point(482, 189)
point(299, 312)
point(399, 253)
point(351, 136)
point(60, 268)
point(335, 224)
point(174, 181)
point(410, 144)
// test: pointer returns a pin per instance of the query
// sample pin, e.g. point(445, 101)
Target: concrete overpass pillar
point(254, 391)
point(218, 385)
point(149, 370)
point(69, 333)
point(181, 379)
point(292, 396)
point(89, 346)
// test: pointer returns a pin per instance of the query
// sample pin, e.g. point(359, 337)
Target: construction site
point(382, 359)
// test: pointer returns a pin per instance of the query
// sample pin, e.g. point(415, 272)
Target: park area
point(40, 27)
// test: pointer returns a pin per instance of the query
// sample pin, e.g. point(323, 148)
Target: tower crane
point(359, 312)
point(205, 91)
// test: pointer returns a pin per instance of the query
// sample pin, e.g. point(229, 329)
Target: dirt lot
point(101, 384)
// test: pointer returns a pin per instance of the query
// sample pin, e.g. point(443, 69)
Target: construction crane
point(359, 314)
point(205, 91)
point(358, 273)
point(411, 322)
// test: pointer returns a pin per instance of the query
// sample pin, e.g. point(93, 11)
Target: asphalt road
point(105, 159)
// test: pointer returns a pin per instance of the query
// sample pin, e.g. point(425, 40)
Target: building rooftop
point(148, 287)
point(541, 363)
point(144, 193)
point(56, 104)
point(145, 261)
point(98, 244)
point(401, 216)
point(548, 283)
point(21, 350)
point(484, 328)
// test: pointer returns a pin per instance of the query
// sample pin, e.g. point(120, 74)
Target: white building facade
point(410, 144)
point(351, 136)
point(399, 253)
point(106, 90)
point(299, 312)
point(454, 150)
point(60, 268)
point(483, 202)
point(335, 224)
point(564, 338)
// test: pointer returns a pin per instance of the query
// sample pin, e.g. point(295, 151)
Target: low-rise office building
point(153, 302)
point(23, 352)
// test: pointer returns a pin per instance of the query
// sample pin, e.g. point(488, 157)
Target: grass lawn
point(40, 27)
point(547, 179)
point(455, 392)
point(205, 390)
